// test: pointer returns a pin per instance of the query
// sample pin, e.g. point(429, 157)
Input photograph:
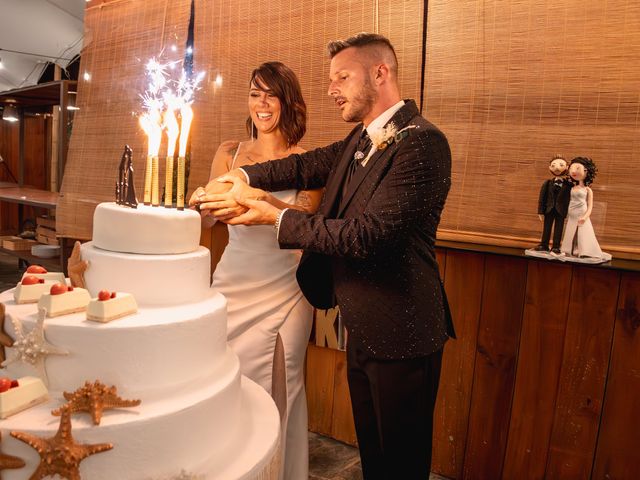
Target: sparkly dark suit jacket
point(371, 250)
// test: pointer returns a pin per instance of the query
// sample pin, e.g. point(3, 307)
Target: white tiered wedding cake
point(198, 418)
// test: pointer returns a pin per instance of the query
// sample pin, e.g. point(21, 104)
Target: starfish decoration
point(76, 267)
point(32, 347)
point(5, 340)
point(94, 398)
point(9, 461)
point(60, 454)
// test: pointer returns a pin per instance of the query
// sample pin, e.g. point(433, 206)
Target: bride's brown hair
point(284, 84)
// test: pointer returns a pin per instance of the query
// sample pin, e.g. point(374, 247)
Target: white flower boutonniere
point(385, 136)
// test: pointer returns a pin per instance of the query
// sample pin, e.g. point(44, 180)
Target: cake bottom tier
point(227, 428)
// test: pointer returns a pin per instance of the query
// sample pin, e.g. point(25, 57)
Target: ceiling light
point(10, 113)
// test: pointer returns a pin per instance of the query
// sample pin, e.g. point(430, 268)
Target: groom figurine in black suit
point(369, 249)
point(553, 204)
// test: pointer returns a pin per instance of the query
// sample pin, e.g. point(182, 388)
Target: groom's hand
point(259, 213)
point(221, 184)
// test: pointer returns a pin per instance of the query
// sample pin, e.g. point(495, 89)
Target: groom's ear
point(381, 73)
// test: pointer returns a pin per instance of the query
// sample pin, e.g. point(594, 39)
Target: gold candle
point(155, 195)
point(187, 116)
point(180, 185)
point(147, 180)
point(150, 123)
point(173, 130)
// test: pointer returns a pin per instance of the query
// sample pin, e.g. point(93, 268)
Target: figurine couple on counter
point(569, 196)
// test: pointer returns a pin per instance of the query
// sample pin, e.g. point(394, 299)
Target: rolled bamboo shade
point(232, 37)
point(513, 83)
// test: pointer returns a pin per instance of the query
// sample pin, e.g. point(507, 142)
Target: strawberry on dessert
point(58, 289)
point(5, 384)
point(36, 269)
point(31, 280)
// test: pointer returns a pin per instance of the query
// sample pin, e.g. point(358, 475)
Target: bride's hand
point(228, 205)
point(581, 220)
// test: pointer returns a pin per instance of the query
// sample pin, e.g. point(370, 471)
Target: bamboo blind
point(510, 83)
point(231, 38)
point(513, 83)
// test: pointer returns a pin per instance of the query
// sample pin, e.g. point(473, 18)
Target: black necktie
point(364, 145)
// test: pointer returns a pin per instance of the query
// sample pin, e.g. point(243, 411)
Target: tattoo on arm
point(303, 199)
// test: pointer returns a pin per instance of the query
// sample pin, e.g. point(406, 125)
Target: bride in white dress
point(579, 239)
point(269, 320)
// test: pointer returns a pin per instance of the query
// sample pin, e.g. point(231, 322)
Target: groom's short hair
point(377, 46)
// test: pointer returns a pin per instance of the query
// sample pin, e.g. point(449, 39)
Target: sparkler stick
point(187, 116)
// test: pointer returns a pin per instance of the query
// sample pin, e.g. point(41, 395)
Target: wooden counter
point(543, 378)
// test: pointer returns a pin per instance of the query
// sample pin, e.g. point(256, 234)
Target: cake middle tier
point(146, 355)
point(154, 280)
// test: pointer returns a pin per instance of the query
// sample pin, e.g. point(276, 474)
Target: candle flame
point(173, 131)
point(187, 116)
point(150, 123)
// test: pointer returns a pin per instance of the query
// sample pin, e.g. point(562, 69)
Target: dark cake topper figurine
point(553, 204)
point(125, 188)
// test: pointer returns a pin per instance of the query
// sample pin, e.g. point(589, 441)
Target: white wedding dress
point(580, 240)
point(265, 305)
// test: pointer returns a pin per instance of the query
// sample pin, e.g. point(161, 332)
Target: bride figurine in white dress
point(579, 239)
point(269, 320)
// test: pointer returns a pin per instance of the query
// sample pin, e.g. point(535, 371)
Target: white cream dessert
point(22, 394)
point(62, 300)
point(30, 289)
point(110, 306)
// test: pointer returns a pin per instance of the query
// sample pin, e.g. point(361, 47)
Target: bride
point(269, 320)
point(579, 239)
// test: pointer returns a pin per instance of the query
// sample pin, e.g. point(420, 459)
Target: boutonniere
point(385, 136)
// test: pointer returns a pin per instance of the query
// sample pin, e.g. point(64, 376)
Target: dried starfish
point(94, 398)
point(9, 461)
point(5, 340)
point(76, 267)
point(60, 454)
point(32, 347)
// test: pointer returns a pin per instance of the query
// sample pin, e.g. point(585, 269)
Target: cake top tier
point(146, 229)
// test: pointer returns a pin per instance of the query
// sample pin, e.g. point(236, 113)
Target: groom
point(370, 250)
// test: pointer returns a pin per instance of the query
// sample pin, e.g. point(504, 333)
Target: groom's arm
point(306, 171)
point(411, 195)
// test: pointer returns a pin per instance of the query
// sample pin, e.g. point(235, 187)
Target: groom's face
point(352, 87)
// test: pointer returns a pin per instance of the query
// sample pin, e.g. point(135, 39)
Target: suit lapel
point(400, 119)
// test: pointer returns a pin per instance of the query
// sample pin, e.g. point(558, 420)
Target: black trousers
point(393, 403)
point(553, 218)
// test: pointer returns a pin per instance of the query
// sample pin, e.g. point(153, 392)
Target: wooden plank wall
point(35, 163)
point(540, 384)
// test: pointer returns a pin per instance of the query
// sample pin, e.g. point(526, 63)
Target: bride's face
point(577, 172)
point(264, 107)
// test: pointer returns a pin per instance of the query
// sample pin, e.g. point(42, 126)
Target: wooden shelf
point(52, 264)
point(29, 196)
